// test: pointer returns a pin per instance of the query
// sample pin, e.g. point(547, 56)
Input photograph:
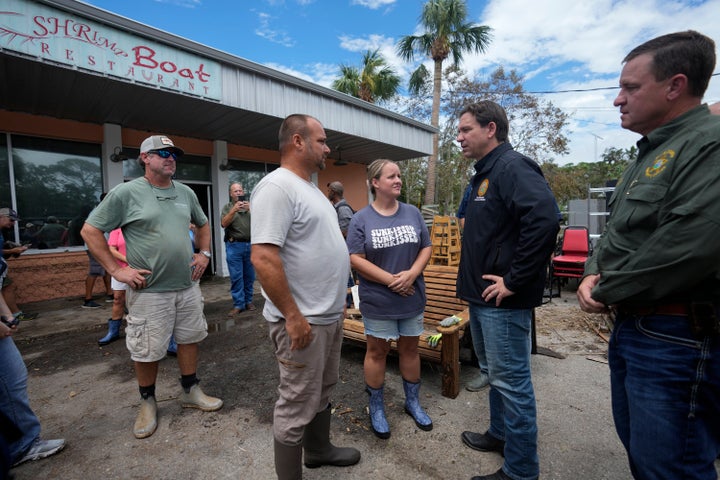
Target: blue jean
point(242, 273)
point(504, 335)
point(14, 401)
point(665, 396)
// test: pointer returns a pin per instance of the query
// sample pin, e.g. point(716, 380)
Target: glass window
point(57, 184)
point(5, 197)
point(189, 167)
point(248, 173)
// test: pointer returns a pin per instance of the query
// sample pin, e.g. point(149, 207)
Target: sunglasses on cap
point(163, 153)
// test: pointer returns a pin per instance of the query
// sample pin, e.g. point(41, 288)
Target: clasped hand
point(402, 283)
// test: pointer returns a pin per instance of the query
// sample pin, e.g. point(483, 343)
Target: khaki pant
point(307, 378)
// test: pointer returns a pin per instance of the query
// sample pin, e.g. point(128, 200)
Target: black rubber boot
point(318, 449)
point(288, 461)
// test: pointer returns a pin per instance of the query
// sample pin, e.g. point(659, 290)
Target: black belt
point(233, 240)
point(704, 317)
point(675, 309)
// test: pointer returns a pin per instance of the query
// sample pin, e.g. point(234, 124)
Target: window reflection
point(57, 184)
point(248, 174)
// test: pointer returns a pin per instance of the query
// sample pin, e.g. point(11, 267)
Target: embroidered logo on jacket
point(482, 189)
point(660, 163)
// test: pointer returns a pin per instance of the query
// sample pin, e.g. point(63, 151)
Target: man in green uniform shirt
point(657, 264)
point(236, 222)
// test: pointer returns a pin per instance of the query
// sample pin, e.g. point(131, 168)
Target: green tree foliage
point(374, 82)
point(446, 33)
point(538, 129)
point(571, 181)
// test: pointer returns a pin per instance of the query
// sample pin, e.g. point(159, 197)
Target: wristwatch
point(206, 253)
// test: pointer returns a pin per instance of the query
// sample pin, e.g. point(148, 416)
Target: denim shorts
point(394, 329)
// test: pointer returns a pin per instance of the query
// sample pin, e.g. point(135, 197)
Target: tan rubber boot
point(197, 399)
point(146, 421)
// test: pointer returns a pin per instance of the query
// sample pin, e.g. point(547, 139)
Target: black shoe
point(483, 442)
point(499, 475)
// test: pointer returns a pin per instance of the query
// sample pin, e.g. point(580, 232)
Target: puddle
point(223, 325)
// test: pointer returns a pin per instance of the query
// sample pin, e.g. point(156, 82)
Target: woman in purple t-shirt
point(389, 247)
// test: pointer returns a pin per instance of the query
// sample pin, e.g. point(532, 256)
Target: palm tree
point(375, 82)
point(447, 33)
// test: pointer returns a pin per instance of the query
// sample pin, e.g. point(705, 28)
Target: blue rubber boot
point(413, 408)
point(378, 422)
point(113, 332)
point(172, 347)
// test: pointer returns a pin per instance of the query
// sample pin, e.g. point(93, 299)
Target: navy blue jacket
point(511, 227)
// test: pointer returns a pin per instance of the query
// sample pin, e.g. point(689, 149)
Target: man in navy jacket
point(511, 226)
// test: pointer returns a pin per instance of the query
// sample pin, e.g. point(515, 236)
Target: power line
point(575, 90)
point(580, 90)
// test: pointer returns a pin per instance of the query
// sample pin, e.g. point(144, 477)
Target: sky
point(571, 48)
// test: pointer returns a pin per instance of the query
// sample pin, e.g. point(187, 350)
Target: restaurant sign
point(48, 34)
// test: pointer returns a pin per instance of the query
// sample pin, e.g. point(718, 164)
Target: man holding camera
point(236, 222)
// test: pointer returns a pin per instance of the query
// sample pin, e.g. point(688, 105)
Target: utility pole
point(596, 140)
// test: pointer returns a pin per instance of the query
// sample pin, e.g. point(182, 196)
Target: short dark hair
point(487, 111)
point(295, 123)
point(690, 53)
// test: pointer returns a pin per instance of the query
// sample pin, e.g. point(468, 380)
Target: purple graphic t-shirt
point(392, 243)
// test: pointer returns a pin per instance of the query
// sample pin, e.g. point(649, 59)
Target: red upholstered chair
point(574, 252)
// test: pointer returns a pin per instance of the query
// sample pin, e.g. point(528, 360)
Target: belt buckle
point(704, 318)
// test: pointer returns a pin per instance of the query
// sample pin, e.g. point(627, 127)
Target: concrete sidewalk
point(88, 395)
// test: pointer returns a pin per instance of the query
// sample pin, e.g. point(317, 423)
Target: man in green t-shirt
point(164, 298)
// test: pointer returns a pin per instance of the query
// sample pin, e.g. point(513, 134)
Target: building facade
point(82, 87)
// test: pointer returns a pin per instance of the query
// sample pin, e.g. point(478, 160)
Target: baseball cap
point(336, 187)
point(9, 212)
point(160, 142)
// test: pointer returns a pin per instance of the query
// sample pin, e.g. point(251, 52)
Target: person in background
point(481, 380)
point(95, 270)
point(656, 265)
point(8, 217)
point(343, 209)
point(116, 242)
point(22, 433)
point(462, 208)
point(510, 231)
point(344, 213)
point(164, 297)
point(302, 264)
point(51, 234)
point(236, 222)
point(389, 246)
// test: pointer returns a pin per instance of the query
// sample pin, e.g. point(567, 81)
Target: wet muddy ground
point(88, 395)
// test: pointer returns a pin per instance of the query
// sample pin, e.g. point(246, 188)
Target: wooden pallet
point(445, 237)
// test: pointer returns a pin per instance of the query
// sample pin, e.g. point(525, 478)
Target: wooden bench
point(441, 303)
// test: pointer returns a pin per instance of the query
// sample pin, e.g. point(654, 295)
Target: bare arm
point(5, 331)
point(402, 281)
point(269, 269)
point(369, 270)
point(116, 253)
point(238, 207)
point(202, 241)
point(95, 240)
